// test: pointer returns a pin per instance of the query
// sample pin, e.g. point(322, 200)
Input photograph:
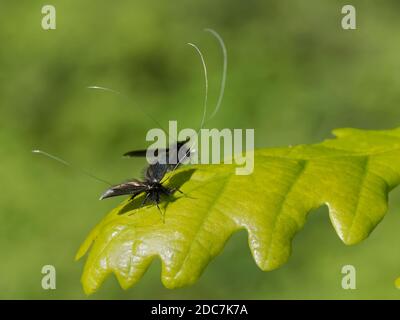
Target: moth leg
point(134, 196)
point(145, 199)
point(161, 213)
point(171, 191)
point(156, 200)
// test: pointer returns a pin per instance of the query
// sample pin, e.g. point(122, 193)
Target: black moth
point(151, 184)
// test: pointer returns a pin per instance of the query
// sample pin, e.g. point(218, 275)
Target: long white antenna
point(221, 92)
point(205, 84)
point(70, 165)
point(128, 100)
point(224, 70)
point(104, 89)
point(222, 86)
point(179, 161)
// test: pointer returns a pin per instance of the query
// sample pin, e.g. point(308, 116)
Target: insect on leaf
point(351, 174)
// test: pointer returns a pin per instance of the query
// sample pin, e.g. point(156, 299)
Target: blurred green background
point(294, 74)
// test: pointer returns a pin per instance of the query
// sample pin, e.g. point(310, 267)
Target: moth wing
point(132, 187)
point(143, 152)
point(155, 172)
point(135, 153)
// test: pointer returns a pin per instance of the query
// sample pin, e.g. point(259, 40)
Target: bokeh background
point(294, 74)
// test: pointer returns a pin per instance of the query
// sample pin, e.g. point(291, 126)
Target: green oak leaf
point(351, 174)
